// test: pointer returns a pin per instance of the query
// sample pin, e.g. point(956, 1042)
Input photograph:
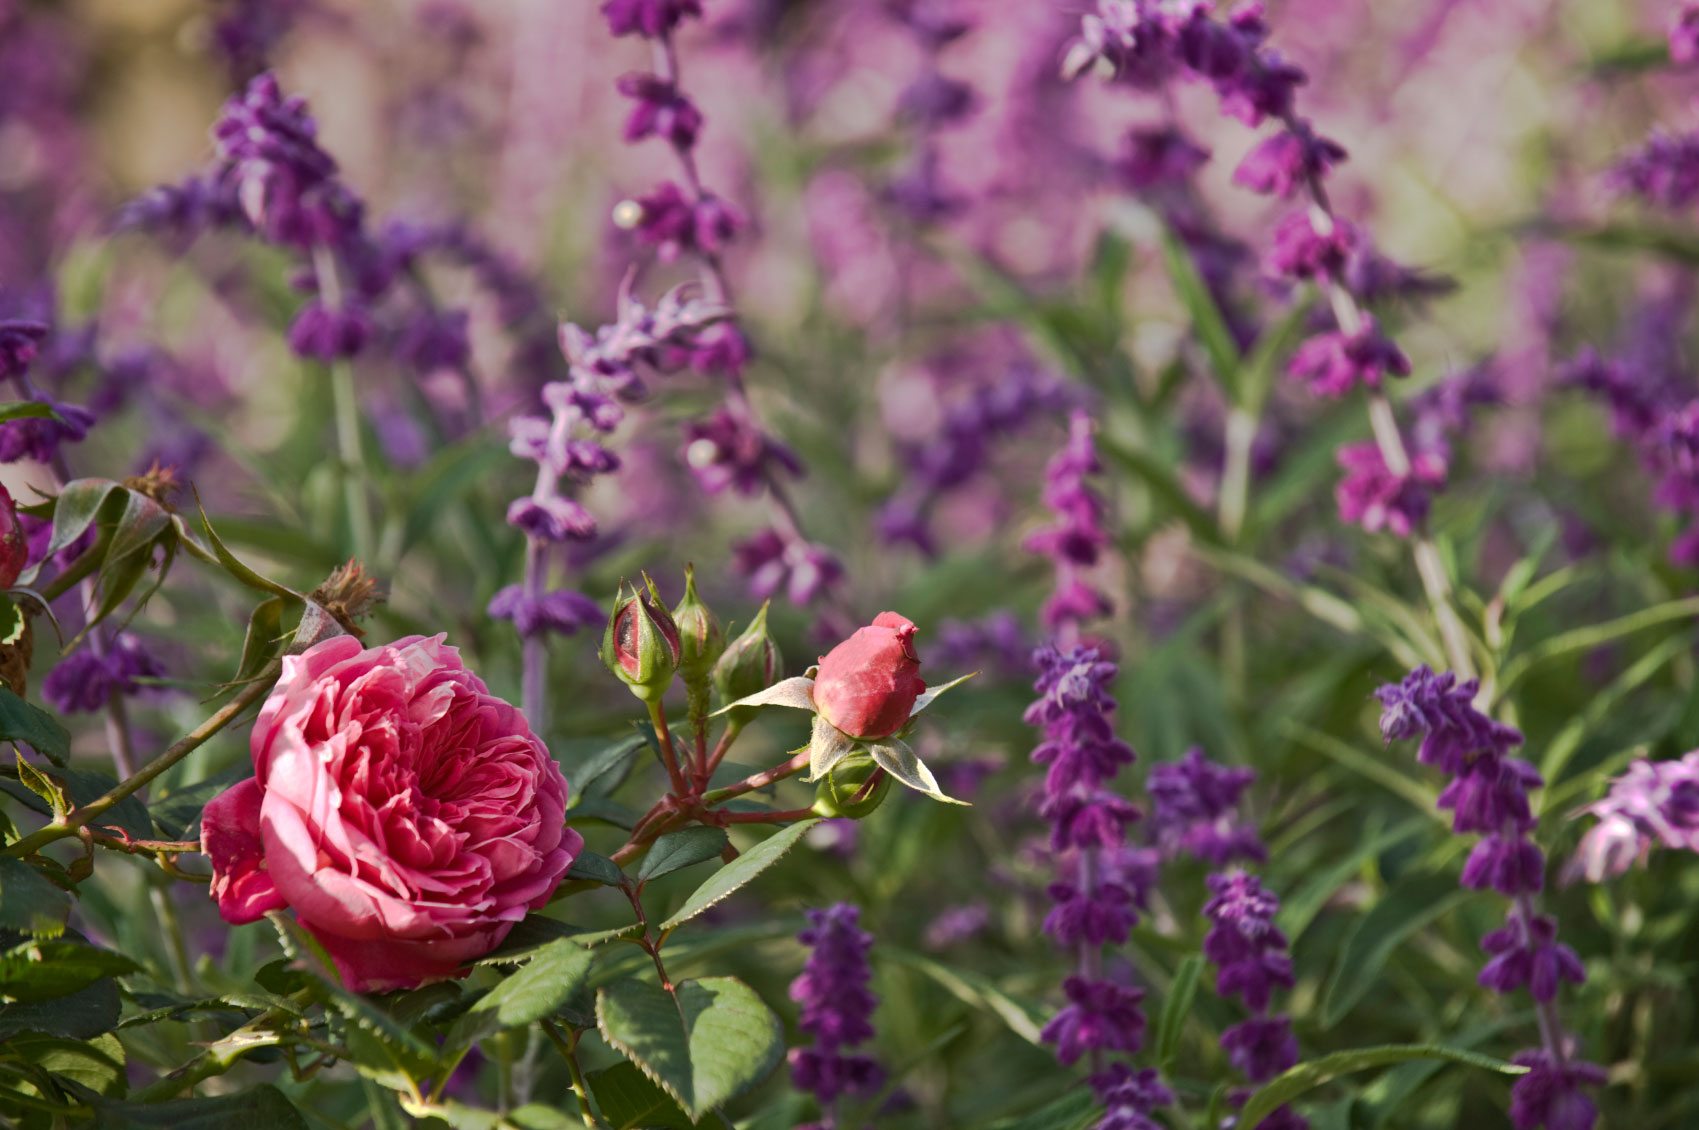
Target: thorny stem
point(761, 780)
point(177, 751)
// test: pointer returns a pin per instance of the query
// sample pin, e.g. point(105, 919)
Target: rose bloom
point(407, 816)
point(866, 686)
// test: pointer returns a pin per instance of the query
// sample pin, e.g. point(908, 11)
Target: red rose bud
point(641, 645)
point(701, 640)
point(866, 686)
point(14, 544)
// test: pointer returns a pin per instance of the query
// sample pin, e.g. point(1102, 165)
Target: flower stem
point(779, 772)
point(568, 1050)
point(534, 650)
point(177, 751)
point(352, 450)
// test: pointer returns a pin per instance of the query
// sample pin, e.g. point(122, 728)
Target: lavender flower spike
point(837, 1007)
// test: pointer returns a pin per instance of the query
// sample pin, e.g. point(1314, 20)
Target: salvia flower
point(1684, 34)
point(1664, 171)
point(20, 341)
point(1652, 804)
point(1099, 1016)
point(650, 19)
point(39, 438)
point(1075, 542)
point(1371, 496)
point(1195, 810)
point(660, 110)
point(561, 612)
point(727, 449)
point(1286, 161)
point(1332, 364)
point(776, 562)
point(1311, 244)
point(837, 1003)
point(285, 182)
point(1553, 1093)
point(1155, 157)
point(86, 680)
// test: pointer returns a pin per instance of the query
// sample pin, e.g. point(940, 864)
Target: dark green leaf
point(629, 1101)
point(264, 638)
point(237, 568)
point(1401, 911)
point(76, 509)
point(684, 848)
point(45, 970)
point(605, 809)
point(527, 938)
point(29, 902)
point(738, 872)
point(540, 987)
point(603, 768)
point(1024, 1018)
point(1308, 1076)
point(1208, 322)
point(21, 721)
point(81, 1015)
point(1075, 1110)
point(177, 813)
point(704, 1044)
point(258, 1108)
point(1176, 1007)
point(1299, 909)
point(596, 869)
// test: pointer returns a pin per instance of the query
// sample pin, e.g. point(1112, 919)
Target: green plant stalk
point(350, 446)
point(669, 755)
point(568, 1050)
point(177, 751)
point(697, 697)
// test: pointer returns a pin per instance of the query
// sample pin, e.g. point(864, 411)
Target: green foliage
point(704, 1043)
point(739, 872)
point(1308, 1076)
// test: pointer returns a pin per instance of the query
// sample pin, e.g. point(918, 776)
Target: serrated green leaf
point(97, 1064)
point(684, 848)
point(258, 1108)
point(594, 868)
point(896, 758)
point(21, 721)
point(1308, 1076)
point(1399, 912)
point(541, 987)
point(29, 902)
point(704, 1044)
point(44, 970)
point(1176, 1007)
point(741, 870)
point(527, 938)
point(627, 1100)
point(82, 1015)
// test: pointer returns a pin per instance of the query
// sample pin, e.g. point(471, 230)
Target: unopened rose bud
point(14, 544)
point(701, 639)
point(751, 663)
point(866, 686)
point(853, 789)
point(641, 645)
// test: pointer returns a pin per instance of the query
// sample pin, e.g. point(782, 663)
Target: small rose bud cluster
point(1652, 804)
point(1096, 902)
point(1488, 796)
point(932, 103)
point(1075, 543)
point(837, 1006)
point(960, 447)
point(729, 447)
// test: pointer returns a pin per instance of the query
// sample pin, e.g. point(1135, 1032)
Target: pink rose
point(866, 686)
point(14, 543)
point(408, 816)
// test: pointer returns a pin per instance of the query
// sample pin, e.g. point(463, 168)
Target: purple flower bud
point(323, 333)
point(650, 19)
point(1128, 1097)
point(1372, 497)
point(1099, 819)
point(561, 612)
point(1335, 363)
point(1261, 1047)
point(20, 341)
point(1491, 794)
point(1550, 1095)
point(1287, 161)
point(1159, 157)
point(674, 225)
point(1653, 804)
point(1442, 711)
point(1308, 244)
point(1100, 1016)
point(1527, 954)
point(727, 449)
point(552, 519)
point(662, 110)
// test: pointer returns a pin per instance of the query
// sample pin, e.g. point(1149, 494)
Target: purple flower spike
point(1261, 1047)
point(1551, 1094)
point(836, 1007)
point(20, 341)
point(1099, 1016)
point(729, 450)
point(1194, 810)
point(1526, 954)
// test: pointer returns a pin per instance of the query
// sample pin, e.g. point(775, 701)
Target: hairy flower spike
point(836, 1007)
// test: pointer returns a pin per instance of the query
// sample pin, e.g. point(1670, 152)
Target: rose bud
point(14, 543)
point(700, 637)
point(641, 645)
point(866, 686)
point(751, 662)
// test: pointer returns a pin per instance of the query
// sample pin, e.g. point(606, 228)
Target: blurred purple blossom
point(1371, 496)
point(1652, 804)
point(836, 1007)
point(1195, 810)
